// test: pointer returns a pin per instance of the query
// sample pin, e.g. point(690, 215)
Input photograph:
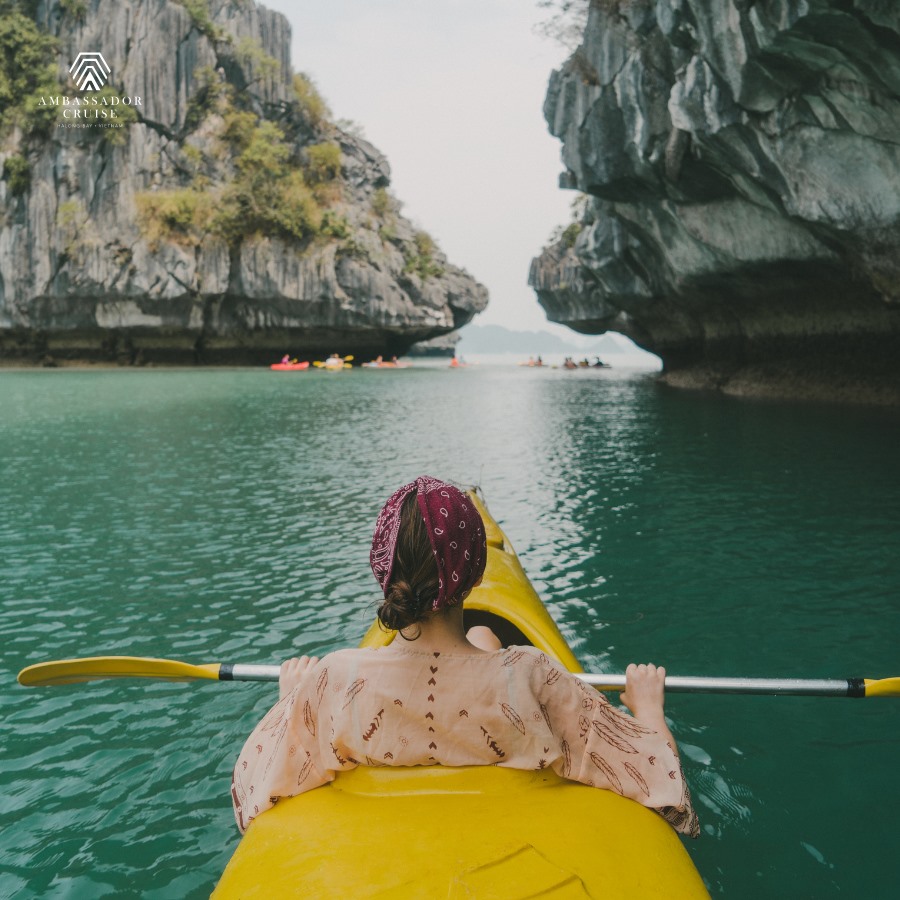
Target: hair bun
point(402, 606)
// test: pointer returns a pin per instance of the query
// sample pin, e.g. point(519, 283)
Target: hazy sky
point(451, 91)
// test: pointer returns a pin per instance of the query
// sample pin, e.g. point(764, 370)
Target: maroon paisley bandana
point(456, 531)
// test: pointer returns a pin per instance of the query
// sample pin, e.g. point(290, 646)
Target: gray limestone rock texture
point(81, 280)
point(742, 161)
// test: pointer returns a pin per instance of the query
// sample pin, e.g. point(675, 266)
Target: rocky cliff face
point(742, 161)
point(225, 221)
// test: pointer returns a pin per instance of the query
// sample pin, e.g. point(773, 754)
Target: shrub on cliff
point(17, 174)
point(566, 235)
point(27, 70)
point(238, 127)
point(125, 115)
point(385, 205)
point(267, 196)
point(75, 8)
point(253, 180)
point(323, 162)
point(259, 64)
point(267, 193)
point(198, 10)
point(421, 262)
point(212, 91)
point(182, 216)
point(310, 101)
point(566, 20)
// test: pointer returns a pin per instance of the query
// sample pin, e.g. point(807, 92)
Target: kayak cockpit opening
point(507, 633)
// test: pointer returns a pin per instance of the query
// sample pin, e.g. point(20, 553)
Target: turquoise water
point(225, 516)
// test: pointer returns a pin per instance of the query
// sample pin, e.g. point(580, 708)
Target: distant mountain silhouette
point(497, 339)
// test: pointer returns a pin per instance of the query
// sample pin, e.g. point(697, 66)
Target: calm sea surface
point(225, 516)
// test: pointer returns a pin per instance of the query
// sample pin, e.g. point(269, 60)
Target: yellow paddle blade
point(347, 366)
point(883, 687)
point(71, 671)
point(318, 363)
point(349, 358)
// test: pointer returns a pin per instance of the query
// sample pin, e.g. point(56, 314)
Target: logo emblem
point(89, 71)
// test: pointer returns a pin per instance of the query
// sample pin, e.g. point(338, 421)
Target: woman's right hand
point(644, 692)
point(292, 671)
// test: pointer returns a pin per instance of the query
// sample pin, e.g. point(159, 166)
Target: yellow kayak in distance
point(334, 363)
point(480, 832)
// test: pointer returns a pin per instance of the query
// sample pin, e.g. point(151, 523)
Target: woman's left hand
point(292, 670)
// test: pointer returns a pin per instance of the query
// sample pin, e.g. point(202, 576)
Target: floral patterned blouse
point(404, 706)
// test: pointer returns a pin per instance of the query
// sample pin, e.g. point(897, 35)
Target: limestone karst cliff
point(220, 217)
point(742, 164)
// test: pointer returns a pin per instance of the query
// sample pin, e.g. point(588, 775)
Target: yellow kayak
point(479, 832)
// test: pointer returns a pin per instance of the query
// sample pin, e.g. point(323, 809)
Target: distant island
point(497, 339)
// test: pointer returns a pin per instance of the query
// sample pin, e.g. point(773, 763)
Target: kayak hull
point(289, 367)
point(474, 831)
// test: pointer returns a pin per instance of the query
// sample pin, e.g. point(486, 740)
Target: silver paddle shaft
point(246, 672)
point(818, 687)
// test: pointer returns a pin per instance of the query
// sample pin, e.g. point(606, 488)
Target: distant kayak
point(386, 365)
point(289, 366)
point(334, 363)
point(570, 363)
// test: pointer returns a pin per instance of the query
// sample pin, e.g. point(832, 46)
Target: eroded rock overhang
point(742, 167)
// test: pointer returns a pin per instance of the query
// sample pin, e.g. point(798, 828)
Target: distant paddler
point(381, 363)
point(289, 364)
point(334, 363)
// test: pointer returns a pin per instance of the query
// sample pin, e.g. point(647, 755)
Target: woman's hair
point(414, 584)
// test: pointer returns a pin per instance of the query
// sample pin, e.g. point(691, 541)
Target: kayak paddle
point(71, 671)
point(319, 364)
point(91, 668)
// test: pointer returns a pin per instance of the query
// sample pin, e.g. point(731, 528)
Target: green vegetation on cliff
point(198, 10)
point(255, 181)
point(239, 171)
point(17, 174)
point(28, 77)
point(566, 235)
point(27, 71)
point(310, 101)
point(421, 261)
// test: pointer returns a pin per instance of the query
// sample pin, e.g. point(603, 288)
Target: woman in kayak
point(442, 696)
